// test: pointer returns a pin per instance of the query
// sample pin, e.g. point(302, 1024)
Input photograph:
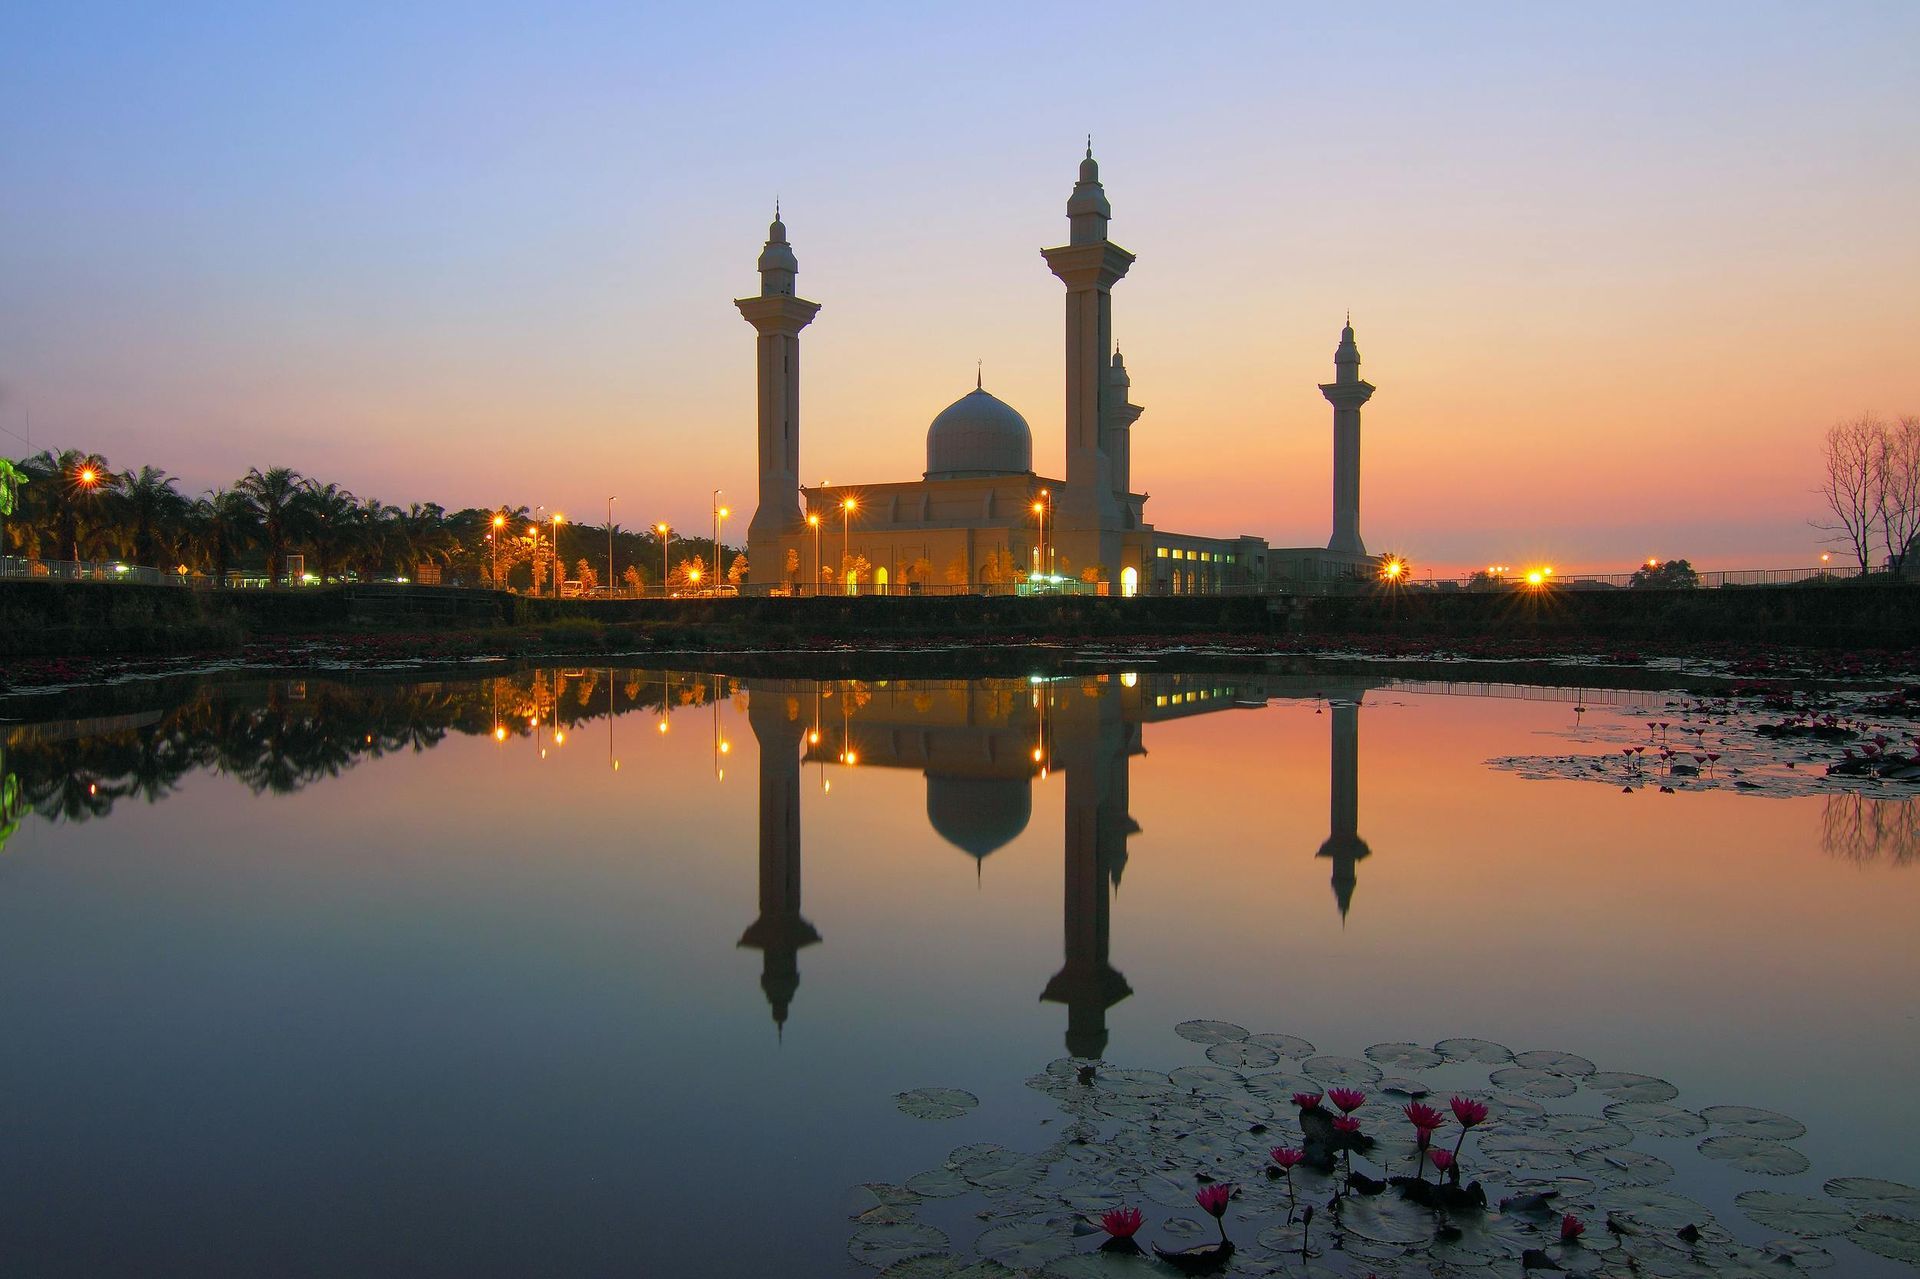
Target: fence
point(86, 571)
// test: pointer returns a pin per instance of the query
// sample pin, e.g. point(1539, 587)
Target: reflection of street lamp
point(814, 521)
point(663, 530)
point(847, 506)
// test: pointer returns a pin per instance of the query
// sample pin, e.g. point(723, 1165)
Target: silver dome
point(978, 434)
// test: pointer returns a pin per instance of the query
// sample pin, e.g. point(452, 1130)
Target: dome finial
point(1089, 146)
point(978, 366)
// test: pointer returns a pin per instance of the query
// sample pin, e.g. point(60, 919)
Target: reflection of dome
point(978, 435)
point(978, 814)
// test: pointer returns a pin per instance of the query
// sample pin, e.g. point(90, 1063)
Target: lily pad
point(1401, 1087)
point(1554, 1062)
point(1535, 1082)
point(1870, 1194)
point(1243, 1055)
point(1216, 1080)
point(1484, 1051)
point(1342, 1072)
point(935, 1103)
point(937, 1183)
point(1655, 1209)
point(1795, 1254)
point(880, 1201)
point(1404, 1056)
point(1656, 1119)
point(1025, 1245)
point(1128, 1082)
point(1210, 1032)
point(1751, 1121)
point(945, 1266)
point(884, 1245)
point(1624, 1167)
point(1625, 1086)
point(1896, 1238)
point(1802, 1215)
point(1581, 1133)
point(1277, 1086)
point(1292, 1047)
point(1755, 1154)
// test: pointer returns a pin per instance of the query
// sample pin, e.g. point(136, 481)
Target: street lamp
point(499, 522)
point(847, 508)
point(1040, 551)
point(813, 522)
point(610, 502)
point(663, 530)
point(719, 513)
point(89, 480)
point(559, 569)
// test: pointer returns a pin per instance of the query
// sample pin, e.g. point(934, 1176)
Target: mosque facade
point(980, 518)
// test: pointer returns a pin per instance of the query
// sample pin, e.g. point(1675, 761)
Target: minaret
point(780, 931)
point(777, 316)
point(1346, 393)
point(1121, 415)
point(1088, 519)
point(1344, 846)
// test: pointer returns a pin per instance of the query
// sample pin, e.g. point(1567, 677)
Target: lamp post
point(89, 480)
point(610, 502)
point(499, 522)
point(719, 513)
point(1040, 551)
point(663, 530)
point(813, 520)
point(847, 506)
point(559, 569)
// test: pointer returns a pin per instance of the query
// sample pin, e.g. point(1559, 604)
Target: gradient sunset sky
point(1613, 268)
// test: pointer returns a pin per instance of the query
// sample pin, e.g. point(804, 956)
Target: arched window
point(880, 581)
point(853, 582)
point(1129, 583)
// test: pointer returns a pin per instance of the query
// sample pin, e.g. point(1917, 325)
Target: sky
point(1614, 269)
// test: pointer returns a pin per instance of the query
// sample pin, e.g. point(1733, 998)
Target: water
point(316, 978)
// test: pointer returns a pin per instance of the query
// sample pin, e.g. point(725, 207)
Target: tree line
point(1871, 487)
point(73, 505)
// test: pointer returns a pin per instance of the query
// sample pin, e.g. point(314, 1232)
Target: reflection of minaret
point(780, 932)
point(1344, 844)
point(1094, 758)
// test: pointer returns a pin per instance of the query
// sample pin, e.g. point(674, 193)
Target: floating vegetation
point(1772, 742)
point(935, 1103)
point(1521, 1162)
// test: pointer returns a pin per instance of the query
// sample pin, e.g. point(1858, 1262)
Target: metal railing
point(86, 571)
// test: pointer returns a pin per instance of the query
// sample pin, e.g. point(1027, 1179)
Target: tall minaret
point(777, 316)
point(1088, 519)
point(1346, 393)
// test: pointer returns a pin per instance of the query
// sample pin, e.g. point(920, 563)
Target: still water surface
point(320, 979)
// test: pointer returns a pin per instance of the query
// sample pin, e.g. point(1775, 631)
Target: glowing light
point(663, 725)
point(1128, 679)
point(499, 521)
point(813, 739)
point(813, 521)
point(89, 476)
point(725, 747)
point(500, 734)
point(661, 529)
point(1039, 508)
point(559, 739)
point(1652, 562)
point(724, 512)
point(1536, 578)
point(1036, 754)
point(848, 504)
point(693, 575)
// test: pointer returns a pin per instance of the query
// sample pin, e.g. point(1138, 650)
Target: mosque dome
point(978, 814)
point(978, 434)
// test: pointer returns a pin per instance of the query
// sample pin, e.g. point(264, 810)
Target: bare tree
point(1851, 486)
point(1898, 485)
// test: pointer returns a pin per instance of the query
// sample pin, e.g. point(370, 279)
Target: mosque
point(979, 517)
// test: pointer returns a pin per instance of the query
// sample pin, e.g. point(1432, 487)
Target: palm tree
point(421, 536)
point(67, 494)
point(329, 515)
point(373, 534)
point(224, 522)
point(154, 510)
point(273, 496)
point(11, 478)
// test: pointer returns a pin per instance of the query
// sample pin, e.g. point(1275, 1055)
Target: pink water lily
point(1346, 1123)
point(1121, 1223)
point(1423, 1117)
point(1571, 1228)
point(1287, 1156)
point(1348, 1099)
point(1214, 1197)
point(1307, 1100)
point(1468, 1111)
point(1441, 1159)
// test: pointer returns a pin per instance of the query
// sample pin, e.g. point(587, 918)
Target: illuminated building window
point(1160, 552)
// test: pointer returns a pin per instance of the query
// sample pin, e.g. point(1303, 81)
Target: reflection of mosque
point(981, 745)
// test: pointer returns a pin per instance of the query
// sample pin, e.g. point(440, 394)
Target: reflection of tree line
point(285, 735)
point(1865, 828)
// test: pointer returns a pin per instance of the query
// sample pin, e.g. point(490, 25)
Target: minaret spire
point(1346, 393)
point(777, 317)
